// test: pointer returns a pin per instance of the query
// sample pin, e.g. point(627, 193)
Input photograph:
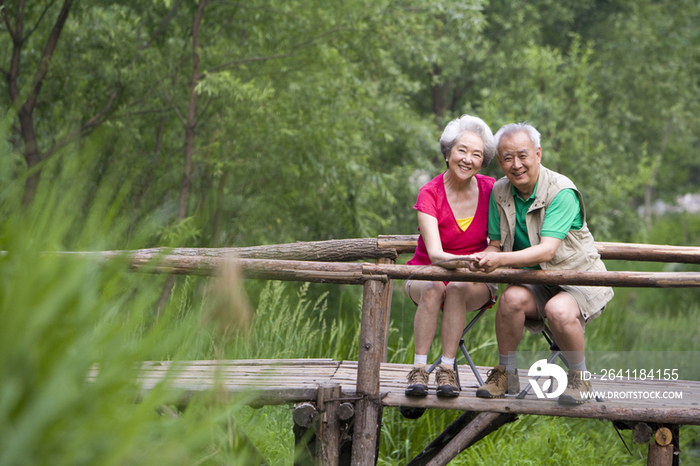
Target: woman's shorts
point(493, 288)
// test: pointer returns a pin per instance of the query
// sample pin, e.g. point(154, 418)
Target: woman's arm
point(431, 237)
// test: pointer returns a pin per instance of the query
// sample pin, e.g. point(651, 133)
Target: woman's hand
point(461, 262)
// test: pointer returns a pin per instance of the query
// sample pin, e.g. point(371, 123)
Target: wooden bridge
point(268, 381)
point(366, 386)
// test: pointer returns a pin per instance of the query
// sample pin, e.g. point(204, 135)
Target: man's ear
point(539, 154)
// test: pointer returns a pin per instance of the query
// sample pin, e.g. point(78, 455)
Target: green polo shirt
point(562, 215)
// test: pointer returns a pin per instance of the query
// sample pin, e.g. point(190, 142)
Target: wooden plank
point(279, 382)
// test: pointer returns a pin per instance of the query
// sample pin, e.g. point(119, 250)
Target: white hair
point(472, 124)
point(511, 128)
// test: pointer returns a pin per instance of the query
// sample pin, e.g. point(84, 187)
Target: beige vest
point(577, 250)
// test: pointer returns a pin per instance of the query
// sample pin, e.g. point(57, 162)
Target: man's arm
point(490, 259)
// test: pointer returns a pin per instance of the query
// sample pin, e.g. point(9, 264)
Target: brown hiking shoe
point(498, 383)
point(446, 379)
point(417, 381)
point(578, 391)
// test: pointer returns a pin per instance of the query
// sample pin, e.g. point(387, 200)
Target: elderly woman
point(453, 222)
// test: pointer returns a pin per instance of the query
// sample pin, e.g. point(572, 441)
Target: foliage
point(314, 120)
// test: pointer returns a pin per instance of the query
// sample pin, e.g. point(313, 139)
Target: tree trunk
point(189, 143)
point(25, 111)
point(191, 115)
point(219, 207)
point(649, 189)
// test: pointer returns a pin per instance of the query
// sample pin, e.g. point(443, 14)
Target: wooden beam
point(340, 250)
point(539, 277)
point(405, 244)
point(481, 423)
point(387, 246)
point(442, 440)
point(354, 273)
point(611, 411)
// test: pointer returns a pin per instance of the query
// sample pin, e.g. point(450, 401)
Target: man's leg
point(515, 305)
point(563, 316)
point(564, 319)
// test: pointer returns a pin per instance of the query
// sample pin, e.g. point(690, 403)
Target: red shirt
point(432, 200)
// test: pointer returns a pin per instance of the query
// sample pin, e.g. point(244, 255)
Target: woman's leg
point(429, 297)
point(460, 298)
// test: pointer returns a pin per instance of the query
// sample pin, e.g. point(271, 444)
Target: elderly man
point(537, 221)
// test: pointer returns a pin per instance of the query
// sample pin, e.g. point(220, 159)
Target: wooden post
point(368, 410)
point(660, 456)
point(305, 426)
point(661, 449)
point(328, 432)
point(387, 306)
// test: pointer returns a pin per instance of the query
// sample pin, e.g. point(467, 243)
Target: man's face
point(520, 161)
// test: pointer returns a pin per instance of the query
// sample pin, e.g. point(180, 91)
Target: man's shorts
point(493, 288)
point(544, 293)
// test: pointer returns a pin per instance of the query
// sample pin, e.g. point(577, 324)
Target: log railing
point(390, 246)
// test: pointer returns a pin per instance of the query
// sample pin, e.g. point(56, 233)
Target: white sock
point(447, 361)
point(508, 361)
point(420, 359)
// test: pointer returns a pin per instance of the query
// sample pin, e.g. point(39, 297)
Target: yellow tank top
point(464, 223)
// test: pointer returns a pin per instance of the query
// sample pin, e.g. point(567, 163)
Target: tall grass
point(72, 333)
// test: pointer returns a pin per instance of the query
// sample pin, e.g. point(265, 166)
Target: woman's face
point(466, 156)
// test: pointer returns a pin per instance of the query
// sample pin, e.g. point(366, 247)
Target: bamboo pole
point(355, 273)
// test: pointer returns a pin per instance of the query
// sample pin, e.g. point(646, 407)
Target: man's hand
point(486, 261)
